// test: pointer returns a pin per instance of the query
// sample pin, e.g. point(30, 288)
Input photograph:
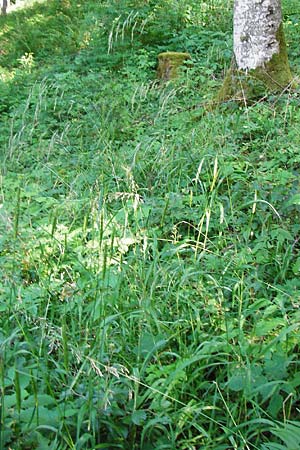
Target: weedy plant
point(148, 248)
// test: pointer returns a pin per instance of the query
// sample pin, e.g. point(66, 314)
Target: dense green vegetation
point(149, 249)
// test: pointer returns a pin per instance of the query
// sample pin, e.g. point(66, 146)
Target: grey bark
point(4, 6)
point(256, 23)
point(261, 60)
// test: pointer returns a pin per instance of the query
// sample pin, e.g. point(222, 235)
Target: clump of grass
point(148, 253)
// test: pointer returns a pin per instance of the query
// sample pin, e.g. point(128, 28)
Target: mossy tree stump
point(169, 64)
point(261, 62)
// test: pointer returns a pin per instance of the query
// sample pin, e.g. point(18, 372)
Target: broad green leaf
point(42, 400)
point(237, 382)
point(296, 267)
point(264, 327)
point(294, 200)
point(40, 416)
point(138, 417)
point(275, 404)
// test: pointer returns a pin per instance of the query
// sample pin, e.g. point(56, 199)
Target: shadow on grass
point(44, 30)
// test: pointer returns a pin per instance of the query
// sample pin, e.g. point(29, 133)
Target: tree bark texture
point(259, 49)
point(256, 23)
point(4, 6)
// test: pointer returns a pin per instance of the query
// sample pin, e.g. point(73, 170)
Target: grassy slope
point(148, 250)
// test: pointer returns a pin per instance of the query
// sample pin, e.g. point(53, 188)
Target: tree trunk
point(261, 61)
point(4, 6)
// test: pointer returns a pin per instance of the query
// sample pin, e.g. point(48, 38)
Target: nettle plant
point(148, 247)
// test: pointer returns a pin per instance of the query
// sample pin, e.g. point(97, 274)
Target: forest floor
point(149, 248)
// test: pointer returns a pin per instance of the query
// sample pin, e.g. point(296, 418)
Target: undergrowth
point(149, 250)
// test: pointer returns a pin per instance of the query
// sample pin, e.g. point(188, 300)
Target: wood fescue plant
point(148, 249)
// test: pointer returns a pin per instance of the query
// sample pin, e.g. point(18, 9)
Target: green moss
point(277, 73)
point(240, 85)
point(169, 64)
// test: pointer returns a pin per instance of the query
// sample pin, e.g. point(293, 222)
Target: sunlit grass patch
point(148, 249)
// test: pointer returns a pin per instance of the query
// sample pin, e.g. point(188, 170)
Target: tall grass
point(148, 249)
